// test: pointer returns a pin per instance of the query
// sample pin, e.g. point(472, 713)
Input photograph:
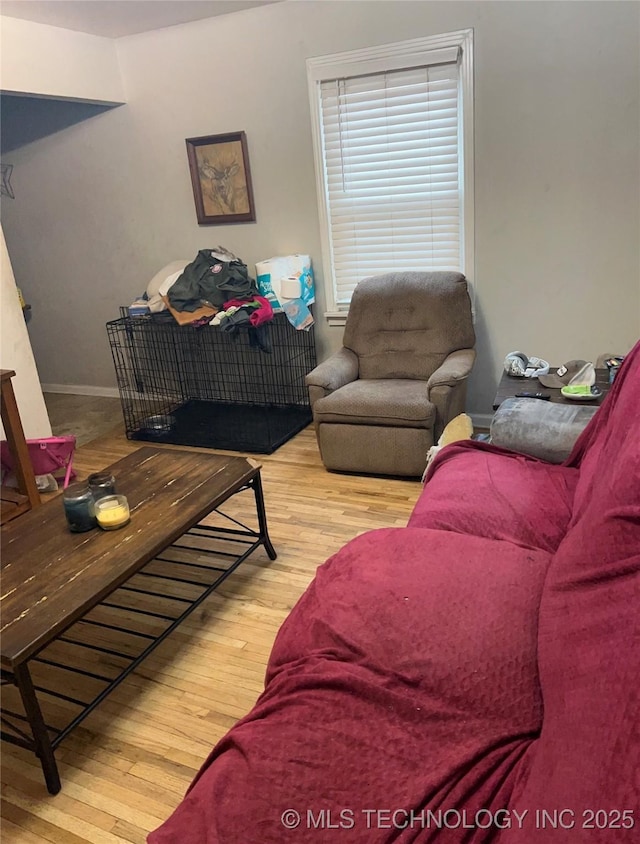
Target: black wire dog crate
point(206, 387)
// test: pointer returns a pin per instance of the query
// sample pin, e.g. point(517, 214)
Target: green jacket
point(207, 280)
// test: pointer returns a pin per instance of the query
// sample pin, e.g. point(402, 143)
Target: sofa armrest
point(339, 369)
point(455, 368)
point(545, 430)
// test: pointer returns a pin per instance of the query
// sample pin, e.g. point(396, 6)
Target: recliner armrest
point(455, 368)
point(333, 373)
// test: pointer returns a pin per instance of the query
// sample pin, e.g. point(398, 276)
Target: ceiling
point(115, 18)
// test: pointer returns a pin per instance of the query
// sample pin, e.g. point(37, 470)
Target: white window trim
point(389, 56)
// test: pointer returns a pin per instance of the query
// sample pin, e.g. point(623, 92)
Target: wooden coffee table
point(51, 578)
point(509, 386)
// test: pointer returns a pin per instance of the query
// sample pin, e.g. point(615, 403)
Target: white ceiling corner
point(116, 18)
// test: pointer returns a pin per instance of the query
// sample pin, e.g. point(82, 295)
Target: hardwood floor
point(128, 765)
point(86, 417)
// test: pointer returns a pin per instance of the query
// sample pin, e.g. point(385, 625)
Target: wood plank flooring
point(128, 765)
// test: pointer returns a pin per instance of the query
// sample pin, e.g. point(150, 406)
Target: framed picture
point(221, 178)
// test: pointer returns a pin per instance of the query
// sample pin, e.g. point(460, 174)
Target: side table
point(509, 386)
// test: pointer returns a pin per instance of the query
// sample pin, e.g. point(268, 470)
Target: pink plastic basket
point(49, 456)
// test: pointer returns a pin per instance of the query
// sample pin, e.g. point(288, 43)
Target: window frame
point(398, 55)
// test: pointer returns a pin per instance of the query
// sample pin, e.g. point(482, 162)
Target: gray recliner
point(382, 401)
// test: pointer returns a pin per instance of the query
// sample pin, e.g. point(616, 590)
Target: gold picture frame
point(221, 178)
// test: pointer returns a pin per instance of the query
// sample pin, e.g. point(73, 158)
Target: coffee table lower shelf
point(189, 570)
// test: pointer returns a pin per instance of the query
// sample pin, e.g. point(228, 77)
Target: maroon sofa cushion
point(481, 490)
point(405, 678)
point(588, 755)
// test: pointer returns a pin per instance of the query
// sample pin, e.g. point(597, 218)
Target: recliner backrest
point(403, 325)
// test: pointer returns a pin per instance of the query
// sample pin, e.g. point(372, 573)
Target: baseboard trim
point(81, 390)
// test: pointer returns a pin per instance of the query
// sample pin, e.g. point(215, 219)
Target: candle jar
point(101, 484)
point(112, 512)
point(79, 507)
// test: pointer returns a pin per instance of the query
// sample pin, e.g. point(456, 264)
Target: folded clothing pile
point(209, 290)
point(212, 278)
point(254, 314)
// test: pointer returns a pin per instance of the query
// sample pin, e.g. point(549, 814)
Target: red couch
point(473, 677)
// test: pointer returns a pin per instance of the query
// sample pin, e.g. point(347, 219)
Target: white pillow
point(161, 282)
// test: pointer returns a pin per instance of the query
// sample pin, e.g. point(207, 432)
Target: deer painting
point(221, 178)
point(222, 186)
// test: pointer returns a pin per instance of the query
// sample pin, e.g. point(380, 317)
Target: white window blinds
point(392, 171)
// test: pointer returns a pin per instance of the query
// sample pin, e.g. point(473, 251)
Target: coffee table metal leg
point(262, 517)
point(41, 738)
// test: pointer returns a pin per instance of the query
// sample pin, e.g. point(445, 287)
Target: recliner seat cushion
point(397, 402)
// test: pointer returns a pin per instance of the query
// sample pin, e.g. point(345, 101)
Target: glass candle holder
point(112, 512)
point(79, 507)
point(101, 484)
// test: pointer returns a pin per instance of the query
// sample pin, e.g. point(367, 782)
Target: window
point(393, 147)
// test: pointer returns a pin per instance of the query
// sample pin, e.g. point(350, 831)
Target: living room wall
point(102, 205)
point(16, 355)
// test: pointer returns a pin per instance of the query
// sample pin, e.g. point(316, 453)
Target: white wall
point(48, 61)
point(103, 205)
point(16, 354)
